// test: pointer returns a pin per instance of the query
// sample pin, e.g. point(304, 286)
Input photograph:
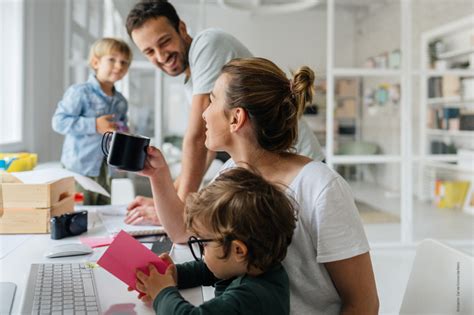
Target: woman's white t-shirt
point(328, 229)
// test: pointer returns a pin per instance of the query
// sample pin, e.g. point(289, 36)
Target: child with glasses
point(242, 226)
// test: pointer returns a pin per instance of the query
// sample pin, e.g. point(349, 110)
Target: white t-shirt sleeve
point(336, 225)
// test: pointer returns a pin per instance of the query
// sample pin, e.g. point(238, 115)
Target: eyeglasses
point(200, 242)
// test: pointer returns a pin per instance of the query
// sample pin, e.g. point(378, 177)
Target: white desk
point(16, 260)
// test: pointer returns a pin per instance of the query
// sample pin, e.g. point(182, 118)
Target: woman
point(253, 116)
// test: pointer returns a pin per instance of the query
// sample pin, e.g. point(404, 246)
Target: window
point(11, 74)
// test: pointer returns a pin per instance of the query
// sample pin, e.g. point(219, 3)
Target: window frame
point(19, 27)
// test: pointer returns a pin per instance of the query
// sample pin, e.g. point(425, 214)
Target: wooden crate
point(14, 194)
point(27, 220)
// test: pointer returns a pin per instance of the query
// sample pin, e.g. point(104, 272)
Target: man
point(162, 37)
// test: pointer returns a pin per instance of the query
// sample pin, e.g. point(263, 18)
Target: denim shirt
point(76, 117)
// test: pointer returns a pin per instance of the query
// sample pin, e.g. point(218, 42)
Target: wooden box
point(28, 208)
point(32, 220)
point(15, 194)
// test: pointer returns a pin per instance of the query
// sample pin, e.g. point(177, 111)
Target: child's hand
point(105, 123)
point(154, 164)
point(152, 285)
point(167, 259)
point(142, 296)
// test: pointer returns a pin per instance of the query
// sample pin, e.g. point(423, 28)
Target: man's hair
point(241, 205)
point(107, 46)
point(151, 9)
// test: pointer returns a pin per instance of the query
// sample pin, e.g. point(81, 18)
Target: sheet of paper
point(98, 241)
point(137, 257)
point(46, 175)
point(115, 223)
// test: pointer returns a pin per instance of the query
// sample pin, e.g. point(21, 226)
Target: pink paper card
point(98, 241)
point(125, 255)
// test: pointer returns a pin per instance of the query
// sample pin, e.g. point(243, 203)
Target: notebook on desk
point(115, 223)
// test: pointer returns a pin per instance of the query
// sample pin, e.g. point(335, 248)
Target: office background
point(383, 83)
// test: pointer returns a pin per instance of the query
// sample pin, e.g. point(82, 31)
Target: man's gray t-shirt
point(210, 50)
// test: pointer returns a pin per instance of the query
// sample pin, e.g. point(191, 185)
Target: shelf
point(450, 133)
point(454, 102)
point(456, 53)
point(450, 167)
point(458, 72)
point(364, 72)
point(365, 159)
point(440, 158)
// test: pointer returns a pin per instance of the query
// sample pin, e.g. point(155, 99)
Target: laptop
point(441, 281)
point(84, 288)
point(7, 294)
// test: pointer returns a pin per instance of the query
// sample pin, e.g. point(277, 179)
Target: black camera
point(69, 224)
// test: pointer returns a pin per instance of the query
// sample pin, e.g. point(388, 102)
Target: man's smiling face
point(163, 45)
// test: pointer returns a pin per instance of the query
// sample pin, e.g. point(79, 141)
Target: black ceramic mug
point(125, 151)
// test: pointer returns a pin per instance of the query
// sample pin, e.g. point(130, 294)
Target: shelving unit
point(430, 163)
point(450, 133)
point(402, 157)
point(348, 113)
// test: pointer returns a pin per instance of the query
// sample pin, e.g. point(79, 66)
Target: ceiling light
point(257, 7)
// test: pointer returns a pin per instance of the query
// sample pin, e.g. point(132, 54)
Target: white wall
point(11, 72)
point(44, 64)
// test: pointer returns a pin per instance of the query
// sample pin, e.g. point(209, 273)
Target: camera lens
point(78, 223)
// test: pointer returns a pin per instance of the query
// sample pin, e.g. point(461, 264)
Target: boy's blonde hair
point(241, 205)
point(106, 46)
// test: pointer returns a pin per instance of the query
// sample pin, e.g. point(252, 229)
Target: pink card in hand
point(125, 255)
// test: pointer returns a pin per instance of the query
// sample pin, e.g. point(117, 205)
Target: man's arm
point(194, 150)
point(355, 283)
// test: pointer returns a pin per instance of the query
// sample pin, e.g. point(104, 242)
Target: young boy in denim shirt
point(242, 226)
point(90, 109)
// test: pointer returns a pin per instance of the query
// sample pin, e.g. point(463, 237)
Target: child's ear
point(240, 250)
point(95, 62)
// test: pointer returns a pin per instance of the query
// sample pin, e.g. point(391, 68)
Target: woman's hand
point(143, 215)
point(152, 284)
point(154, 164)
point(142, 211)
point(140, 201)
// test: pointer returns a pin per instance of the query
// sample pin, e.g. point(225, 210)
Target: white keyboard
point(61, 289)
